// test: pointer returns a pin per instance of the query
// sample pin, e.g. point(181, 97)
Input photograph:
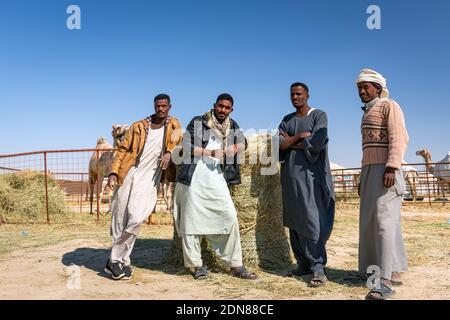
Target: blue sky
point(63, 88)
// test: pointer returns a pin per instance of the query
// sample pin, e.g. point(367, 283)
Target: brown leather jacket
point(131, 148)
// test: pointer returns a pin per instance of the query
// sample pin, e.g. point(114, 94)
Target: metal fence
point(426, 184)
point(77, 179)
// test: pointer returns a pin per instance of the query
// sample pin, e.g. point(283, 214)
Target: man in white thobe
point(203, 205)
point(140, 161)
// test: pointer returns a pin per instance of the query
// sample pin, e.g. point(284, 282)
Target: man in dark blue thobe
point(308, 196)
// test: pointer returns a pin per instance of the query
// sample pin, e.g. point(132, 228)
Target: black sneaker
point(115, 269)
point(128, 272)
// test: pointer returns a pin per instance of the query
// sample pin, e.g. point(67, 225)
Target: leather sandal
point(382, 293)
point(200, 273)
point(242, 273)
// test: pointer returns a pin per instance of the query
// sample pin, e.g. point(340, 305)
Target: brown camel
point(443, 177)
point(104, 164)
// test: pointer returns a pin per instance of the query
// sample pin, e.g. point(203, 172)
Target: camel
point(412, 178)
point(440, 171)
point(105, 159)
point(104, 164)
point(168, 189)
point(118, 133)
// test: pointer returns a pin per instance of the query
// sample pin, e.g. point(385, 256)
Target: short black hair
point(162, 96)
point(225, 96)
point(300, 84)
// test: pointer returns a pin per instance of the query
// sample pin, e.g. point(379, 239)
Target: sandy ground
point(42, 273)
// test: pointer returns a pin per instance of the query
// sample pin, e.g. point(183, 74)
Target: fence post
point(98, 186)
point(442, 187)
point(443, 197)
point(345, 186)
point(428, 186)
point(46, 187)
point(81, 193)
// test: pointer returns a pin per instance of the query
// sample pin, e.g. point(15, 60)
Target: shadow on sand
point(147, 254)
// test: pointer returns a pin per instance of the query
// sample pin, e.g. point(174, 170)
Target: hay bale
point(22, 195)
point(259, 206)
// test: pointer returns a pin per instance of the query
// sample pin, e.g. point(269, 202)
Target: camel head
point(423, 153)
point(118, 131)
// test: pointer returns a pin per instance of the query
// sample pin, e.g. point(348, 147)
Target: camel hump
point(103, 144)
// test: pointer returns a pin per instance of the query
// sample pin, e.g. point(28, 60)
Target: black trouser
point(309, 254)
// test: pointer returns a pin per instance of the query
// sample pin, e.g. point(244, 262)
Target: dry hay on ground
point(22, 196)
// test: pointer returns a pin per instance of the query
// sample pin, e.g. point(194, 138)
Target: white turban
point(368, 75)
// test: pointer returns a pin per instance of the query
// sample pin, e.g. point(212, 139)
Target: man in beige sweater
point(384, 142)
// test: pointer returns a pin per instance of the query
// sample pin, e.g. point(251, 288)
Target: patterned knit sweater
point(384, 136)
